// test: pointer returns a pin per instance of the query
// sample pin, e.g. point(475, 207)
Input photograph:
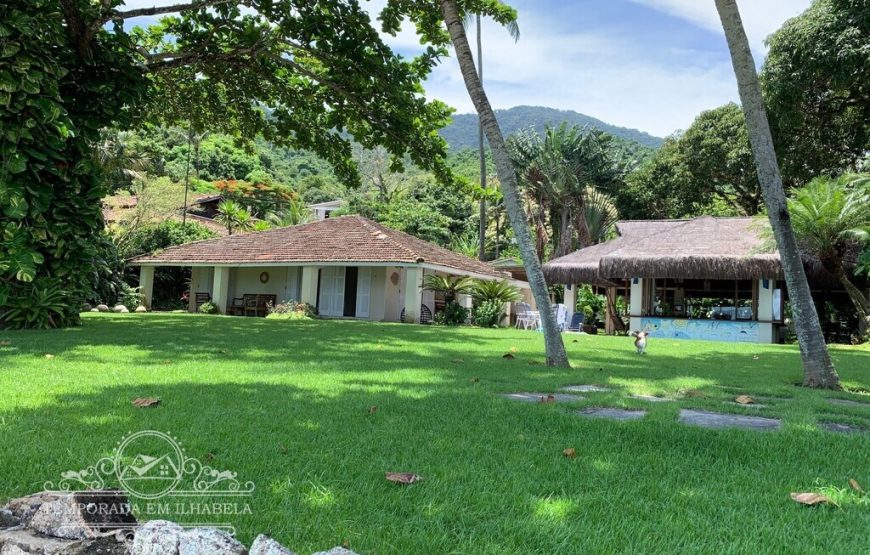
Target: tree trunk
point(818, 369)
point(481, 254)
point(565, 239)
point(862, 304)
point(556, 355)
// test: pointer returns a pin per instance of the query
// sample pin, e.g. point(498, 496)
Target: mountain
point(462, 132)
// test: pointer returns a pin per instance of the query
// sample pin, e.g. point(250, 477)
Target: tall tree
point(815, 82)
point(556, 355)
point(320, 68)
point(818, 368)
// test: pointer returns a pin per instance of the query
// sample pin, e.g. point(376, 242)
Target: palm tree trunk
point(818, 369)
point(481, 254)
point(556, 355)
point(862, 304)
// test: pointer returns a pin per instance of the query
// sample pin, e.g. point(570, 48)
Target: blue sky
point(648, 64)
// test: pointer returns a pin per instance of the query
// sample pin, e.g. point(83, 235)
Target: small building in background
point(322, 210)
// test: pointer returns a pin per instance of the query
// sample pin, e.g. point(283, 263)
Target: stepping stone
point(753, 405)
point(842, 428)
point(586, 388)
point(848, 403)
point(612, 413)
point(718, 420)
point(650, 398)
point(536, 397)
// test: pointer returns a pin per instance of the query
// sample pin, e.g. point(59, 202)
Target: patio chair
point(576, 321)
point(425, 315)
point(201, 299)
point(250, 302)
point(237, 307)
point(526, 317)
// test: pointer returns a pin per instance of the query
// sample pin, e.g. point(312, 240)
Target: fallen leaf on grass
point(402, 477)
point(855, 485)
point(475, 380)
point(533, 362)
point(5, 343)
point(570, 452)
point(48, 355)
point(166, 361)
point(283, 449)
point(508, 356)
point(744, 399)
point(514, 350)
point(345, 544)
point(754, 357)
point(373, 409)
point(143, 402)
point(457, 361)
point(694, 393)
point(548, 399)
point(811, 499)
point(209, 456)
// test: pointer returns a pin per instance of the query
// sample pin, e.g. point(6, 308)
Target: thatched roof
point(701, 248)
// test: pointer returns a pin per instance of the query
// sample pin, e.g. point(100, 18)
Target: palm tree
point(296, 212)
point(559, 170)
point(818, 369)
point(556, 355)
point(514, 31)
point(831, 217)
point(234, 216)
point(451, 287)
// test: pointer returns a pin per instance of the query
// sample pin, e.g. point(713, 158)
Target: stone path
point(718, 420)
point(848, 403)
point(612, 413)
point(751, 405)
point(842, 428)
point(586, 388)
point(536, 397)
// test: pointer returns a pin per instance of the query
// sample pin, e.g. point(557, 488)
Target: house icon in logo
point(149, 464)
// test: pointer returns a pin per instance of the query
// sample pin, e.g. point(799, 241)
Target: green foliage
point(130, 297)
point(488, 314)
point(41, 304)
point(260, 198)
point(154, 237)
point(292, 310)
point(451, 287)
point(501, 292)
point(863, 266)
point(828, 215)
point(590, 303)
point(454, 314)
point(234, 216)
point(55, 96)
point(209, 307)
point(815, 84)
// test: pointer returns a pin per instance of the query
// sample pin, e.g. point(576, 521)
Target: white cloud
point(760, 17)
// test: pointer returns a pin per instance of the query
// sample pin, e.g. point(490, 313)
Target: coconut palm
point(818, 369)
point(556, 355)
point(514, 31)
point(831, 217)
point(451, 287)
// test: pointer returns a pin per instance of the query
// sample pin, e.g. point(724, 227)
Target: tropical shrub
point(454, 314)
point(449, 286)
point(42, 304)
point(209, 307)
point(130, 297)
point(488, 314)
point(590, 303)
point(292, 310)
point(493, 291)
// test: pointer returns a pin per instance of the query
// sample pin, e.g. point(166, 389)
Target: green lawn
point(285, 404)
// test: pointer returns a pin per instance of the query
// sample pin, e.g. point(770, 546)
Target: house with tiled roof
point(346, 266)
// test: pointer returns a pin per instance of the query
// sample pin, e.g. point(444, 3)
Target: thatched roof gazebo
point(722, 272)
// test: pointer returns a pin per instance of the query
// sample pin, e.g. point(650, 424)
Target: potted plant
point(589, 321)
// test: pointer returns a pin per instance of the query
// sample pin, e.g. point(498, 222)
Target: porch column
point(220, 288)
point(308, 290)
point(636, 303)
point(570, 300)
point(413, 293)
point(146, 284)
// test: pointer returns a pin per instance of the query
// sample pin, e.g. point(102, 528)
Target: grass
point(285, 405)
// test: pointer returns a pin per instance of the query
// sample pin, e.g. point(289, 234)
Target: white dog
point(640, 341)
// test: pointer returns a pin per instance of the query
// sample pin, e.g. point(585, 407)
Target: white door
point(363, 292)
point(332, 291)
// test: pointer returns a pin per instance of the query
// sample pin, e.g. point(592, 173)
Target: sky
point(652, 65)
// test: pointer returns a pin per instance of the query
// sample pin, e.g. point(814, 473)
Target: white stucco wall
point(393, 295)
point(247, 281)
point(201, 280)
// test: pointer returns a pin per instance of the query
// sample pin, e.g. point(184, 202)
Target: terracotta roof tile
point(344, 239)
